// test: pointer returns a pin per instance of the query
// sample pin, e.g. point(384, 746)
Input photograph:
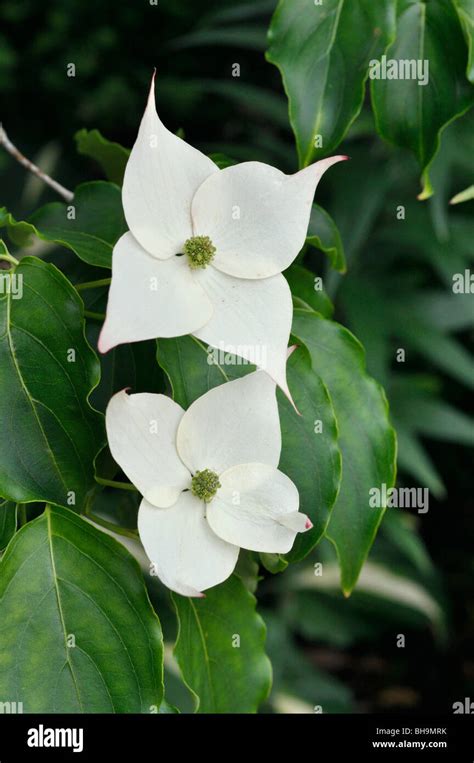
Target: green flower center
point(200, 251)
point(205, 485)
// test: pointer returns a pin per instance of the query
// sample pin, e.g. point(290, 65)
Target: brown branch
point(13, 151)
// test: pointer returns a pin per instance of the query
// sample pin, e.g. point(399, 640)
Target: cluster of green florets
point(200, 251)
point(205, 485)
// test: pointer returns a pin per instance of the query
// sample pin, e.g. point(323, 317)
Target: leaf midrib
point(319, 111)
point(26, 392)
point(60, 609)
point(206, 653)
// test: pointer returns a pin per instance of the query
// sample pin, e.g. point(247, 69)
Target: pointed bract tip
point(101, 345)
point(289, 397)
point(308, 525)
point(104, 345)
point(151, 92)
point(291, 350)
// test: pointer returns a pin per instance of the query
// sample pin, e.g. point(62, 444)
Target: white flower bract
point(233, 431)
point(254, 216)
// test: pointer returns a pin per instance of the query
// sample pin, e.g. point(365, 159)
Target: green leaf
point(443, 351)
point(127, 365)
point(273, 562)
point(385, 596)
point(310, 457)
point(250, 36)
point(167, 709)
point(50, 434)
point(252, 99)
point(414, 460)
point(462, 196)
point(97, 225)
point(400, 531)
point(236, 12)
point(323, 52)
point(7, 522)
point(436, 418)
point(303, 285)
point(247, 569)
point(78, 632)
point(366, 438)
point(411, 115)
point(112, 157)
point(220, 649)
point(222, 160)
point(357, 204)
point(298, 684)
point(310, 453)
point(324, 235)
point(191, 373)
point(465, 11)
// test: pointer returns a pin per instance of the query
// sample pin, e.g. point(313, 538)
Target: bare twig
point(13, 151)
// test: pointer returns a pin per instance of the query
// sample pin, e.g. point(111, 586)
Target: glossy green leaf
point(78, 633)
point(50, 434)
point(323, 52)
point(412, 115)
point(112, 157)
point(366, 438)
point(324, 235)
point(465, 11)
point(191, 369)
point(127, 365)
point(310, 454)
point(303, 285)
point(220, 649)
point(7, 522)
point(90, 225)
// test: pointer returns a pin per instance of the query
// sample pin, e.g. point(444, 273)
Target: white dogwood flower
point(208, 477)
point(206, 249)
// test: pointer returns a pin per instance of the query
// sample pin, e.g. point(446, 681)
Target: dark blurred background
point(342, 655)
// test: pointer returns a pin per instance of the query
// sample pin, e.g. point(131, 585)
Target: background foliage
point(396, 293)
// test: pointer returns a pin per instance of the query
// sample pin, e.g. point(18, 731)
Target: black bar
point(134, 737)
